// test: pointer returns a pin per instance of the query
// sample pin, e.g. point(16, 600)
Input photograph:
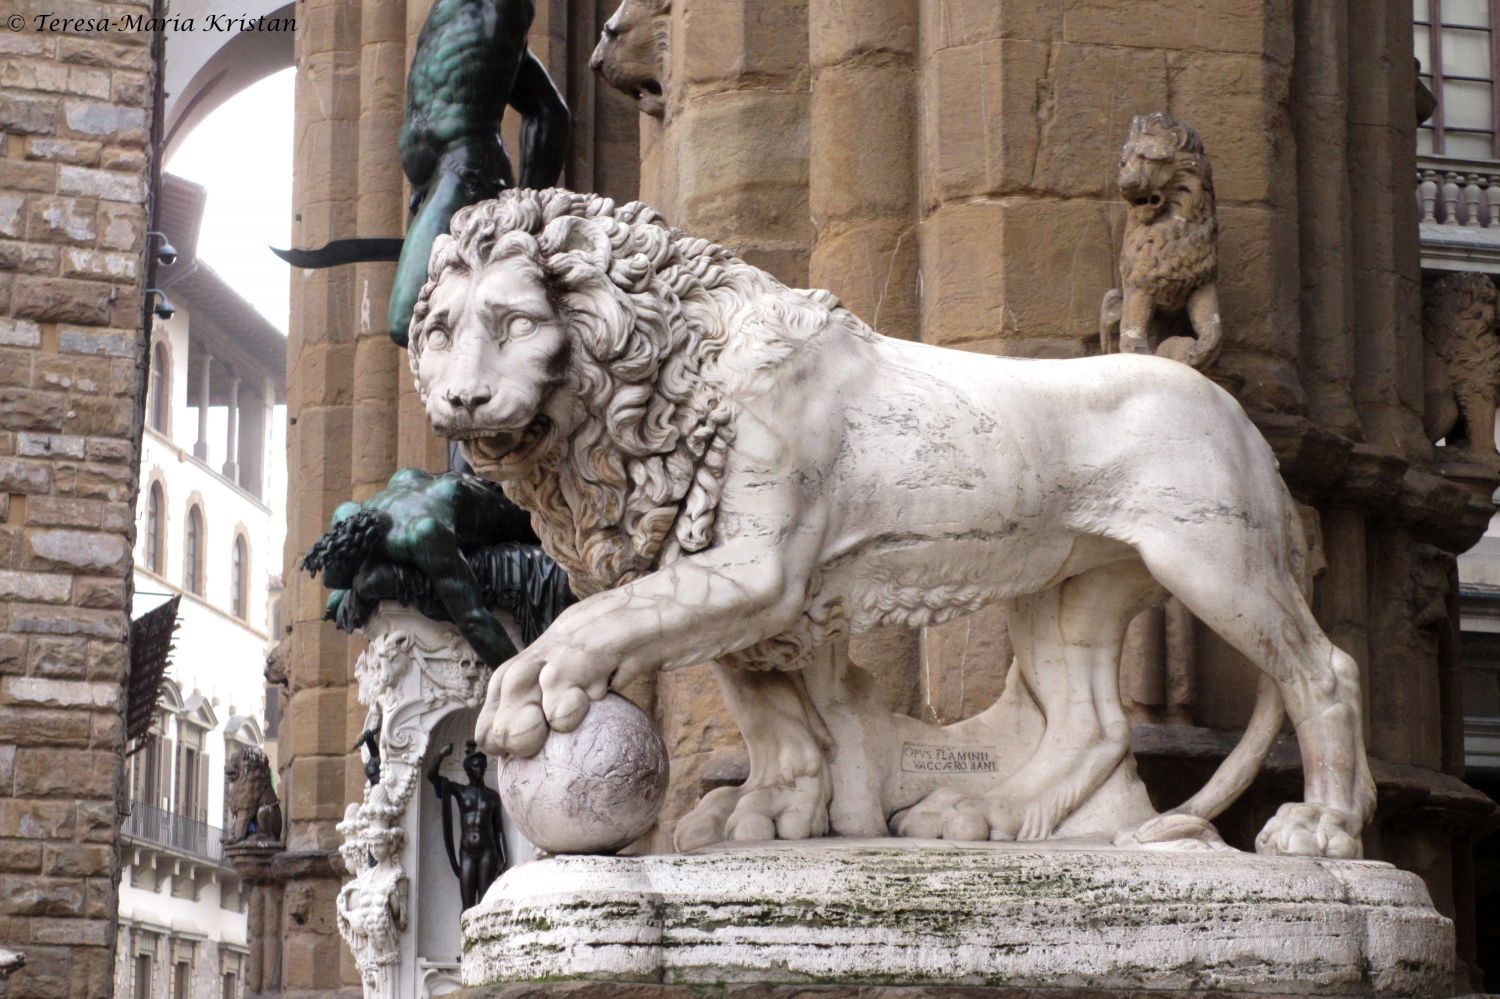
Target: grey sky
point(242, 153)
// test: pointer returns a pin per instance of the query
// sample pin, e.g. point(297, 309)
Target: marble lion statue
point(1169, 258)
point(738, 472)
point(253, 808)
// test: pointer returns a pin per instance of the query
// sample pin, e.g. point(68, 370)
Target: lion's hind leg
point(1067, 641)
point(1238, 576)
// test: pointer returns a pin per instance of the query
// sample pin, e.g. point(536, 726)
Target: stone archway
point(204, 68)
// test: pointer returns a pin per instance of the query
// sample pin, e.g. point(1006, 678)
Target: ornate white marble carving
point(413, 673)
point(743, 472)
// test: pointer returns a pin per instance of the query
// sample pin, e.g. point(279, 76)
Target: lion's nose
point(467, 399)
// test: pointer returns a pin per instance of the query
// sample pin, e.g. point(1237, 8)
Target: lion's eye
point(438, 339)
point(522, 326)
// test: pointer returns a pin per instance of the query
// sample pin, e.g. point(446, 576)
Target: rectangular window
point(142, 976)
point(1454, 45)
point(231, 986)
point(180, 980)
point(187, 784)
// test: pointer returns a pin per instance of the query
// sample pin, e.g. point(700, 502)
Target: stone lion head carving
point(632, 52)
point(1164, 164)
point(581, 354)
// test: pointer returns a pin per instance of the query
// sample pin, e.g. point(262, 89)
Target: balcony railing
point(157, 825)
point(1458, 193)
point(1458, 203)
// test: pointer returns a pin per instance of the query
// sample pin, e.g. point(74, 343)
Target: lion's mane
point(664, 328)
point(1176, 252)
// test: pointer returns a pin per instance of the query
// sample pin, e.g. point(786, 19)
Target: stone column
point(232, 431)
point(729, 162)
point(320, 378)
point(254, 863)
point(1321, 115)
point(737, 124)
point(1385, 246)
point(205, 372)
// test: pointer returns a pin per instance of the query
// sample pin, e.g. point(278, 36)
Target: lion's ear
point(571, 234)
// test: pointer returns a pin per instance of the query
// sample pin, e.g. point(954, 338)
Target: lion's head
point(631, 55)
point(1163, 168)
point(567, 344)
point(585, 355)
point(247, 777)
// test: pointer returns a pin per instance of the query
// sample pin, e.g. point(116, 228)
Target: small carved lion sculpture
point(254, 812)
point(738, 472)
point(632, 52)
point(1169, 259)
point(1461, 362)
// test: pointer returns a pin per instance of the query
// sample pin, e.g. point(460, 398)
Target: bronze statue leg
point(449, 192)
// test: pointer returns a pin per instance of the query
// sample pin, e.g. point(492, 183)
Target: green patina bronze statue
point(471, 61)
point(450, 545)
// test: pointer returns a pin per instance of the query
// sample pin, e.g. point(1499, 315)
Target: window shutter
point(202, 812)
point(164, 776)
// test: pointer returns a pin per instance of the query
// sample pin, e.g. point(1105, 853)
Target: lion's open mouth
point(505, 450)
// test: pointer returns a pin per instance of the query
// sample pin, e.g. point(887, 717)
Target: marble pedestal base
point(901, 912)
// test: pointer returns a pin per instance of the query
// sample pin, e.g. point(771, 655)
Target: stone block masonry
point(75, 125)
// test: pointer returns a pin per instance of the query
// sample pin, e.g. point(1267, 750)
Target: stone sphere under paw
point(595, 789)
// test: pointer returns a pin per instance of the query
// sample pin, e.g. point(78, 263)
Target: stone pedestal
point(924, 913)
point(254, 862)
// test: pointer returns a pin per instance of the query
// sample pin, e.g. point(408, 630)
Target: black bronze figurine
point(480, 856)
point(471, 61)
point(370, 739)
point(450, 545)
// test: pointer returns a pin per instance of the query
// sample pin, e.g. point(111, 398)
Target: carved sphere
point(595, 789)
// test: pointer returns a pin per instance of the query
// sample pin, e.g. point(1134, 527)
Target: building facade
point(209, 529)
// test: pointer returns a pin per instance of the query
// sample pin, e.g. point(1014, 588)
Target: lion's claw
point(566, 710)
point(1300, 829)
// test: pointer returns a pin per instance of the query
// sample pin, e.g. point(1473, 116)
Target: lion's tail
point(1239, 768)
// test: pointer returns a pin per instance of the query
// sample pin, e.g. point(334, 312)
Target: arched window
point(238, 571)
point(193, 570)
point(155, 534)
point(161, 389)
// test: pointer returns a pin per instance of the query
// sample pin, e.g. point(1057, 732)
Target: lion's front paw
point(511, 728)
point(1300, 829)
point(549, 686)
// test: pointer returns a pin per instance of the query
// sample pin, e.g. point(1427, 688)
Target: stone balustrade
point(1453, 192)
point(1458, 206)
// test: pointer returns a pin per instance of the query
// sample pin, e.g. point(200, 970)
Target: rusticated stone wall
point(75, 124)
